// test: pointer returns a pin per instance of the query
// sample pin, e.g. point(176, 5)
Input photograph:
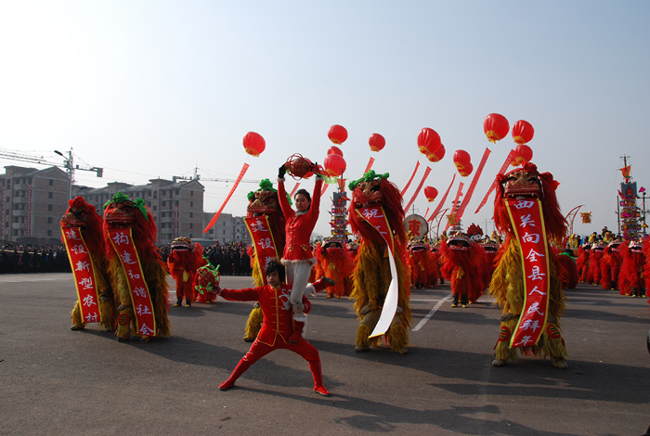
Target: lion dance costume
point(185, 259)
point(266, 225)
point(526, 283)
point(138, 275)
point(464, 264)
point(376, 207)
point(82, 233)
point(630, 279)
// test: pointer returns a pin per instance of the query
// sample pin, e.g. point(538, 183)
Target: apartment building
point(32, 204)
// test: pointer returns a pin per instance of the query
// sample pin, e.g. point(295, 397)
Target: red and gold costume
point(595, 260)
point(335, 261)
point(525, 188)
point(185, 259)
point(420, 262)
point(84, 217)
point(630, 279)
point(584, 274)
point(568, 270)
point(610, 266)
point(372, 275)
point(275, 331)
point(263, 203)
point(121, 213)
point(464, 264)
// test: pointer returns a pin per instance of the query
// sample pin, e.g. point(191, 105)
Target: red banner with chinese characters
point(263, 241)
point(377, 219)
point(83, 272)
point(122, 242)
point(528, 224)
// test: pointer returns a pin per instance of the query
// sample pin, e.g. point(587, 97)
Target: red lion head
point(122, 212)
point(83, 215)
point(527, 182)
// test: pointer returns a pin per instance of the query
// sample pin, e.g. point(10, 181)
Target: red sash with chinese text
point(84, 274)
point(527, 221)
point(377, 219)
point(263, 241)
point(122, 242)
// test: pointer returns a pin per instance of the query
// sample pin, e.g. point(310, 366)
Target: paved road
point(56, 381)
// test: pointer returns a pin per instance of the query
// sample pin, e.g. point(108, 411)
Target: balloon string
point(232, 191)
point(417, 165)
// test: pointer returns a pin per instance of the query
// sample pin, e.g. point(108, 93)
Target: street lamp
point(68, 167)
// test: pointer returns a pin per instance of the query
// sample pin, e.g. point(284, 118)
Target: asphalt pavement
point(55, 381)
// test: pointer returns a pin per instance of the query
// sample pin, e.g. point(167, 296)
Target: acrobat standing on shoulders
point(276, 329)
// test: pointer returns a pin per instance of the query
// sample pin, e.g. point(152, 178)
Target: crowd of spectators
point(232, 258)
point(15, 258)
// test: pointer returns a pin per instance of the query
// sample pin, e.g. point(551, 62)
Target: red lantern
point(437, 155)
point(466, 170)
point(428, 141)
point(522, 132)
point(496, 127)
point(462, 159)
point(523, 154)
point(376, 141)
point(254, 144)
point(335, 150)
point(431, 193)
point(334, 165)
point(337, 134)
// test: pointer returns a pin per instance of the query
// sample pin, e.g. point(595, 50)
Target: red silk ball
point(496, 127)
point(254, 144)
point(428, 141)
point(522, 132)
point(431, 193)
point(376, 142)
point(334, 165)
point(337, 134)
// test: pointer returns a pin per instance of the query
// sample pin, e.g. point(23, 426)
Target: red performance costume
point(275, 331)
point(183, 261)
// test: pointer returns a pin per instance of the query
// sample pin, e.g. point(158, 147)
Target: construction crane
point(68, 163)
point(197, 177)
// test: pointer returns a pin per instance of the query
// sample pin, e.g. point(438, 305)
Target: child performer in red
point(276, 329)
point(297, 256)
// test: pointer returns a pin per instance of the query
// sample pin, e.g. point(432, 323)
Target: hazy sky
point(149, 89)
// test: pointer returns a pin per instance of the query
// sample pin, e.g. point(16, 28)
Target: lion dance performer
point(610, 265)
point(630, 279)
point(526, 282)
point(138, 275)
point(185, 259)
point(266, 225)
point(376, 216)
point(582, 263)
point(420, 262)
point(81, 229)
point(464, 264)
point(334, 260)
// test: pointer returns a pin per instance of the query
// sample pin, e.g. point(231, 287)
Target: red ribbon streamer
point(293, 191)
point(453, 208)
point(232, 191)
point(470, 190)
point(444, 198)
point(370, 162)
point(417, 165)
point(417, 191)
point(509, 159)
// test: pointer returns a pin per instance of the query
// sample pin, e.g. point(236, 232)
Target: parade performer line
point(430, 314)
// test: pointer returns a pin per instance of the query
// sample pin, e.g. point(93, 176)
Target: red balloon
point(376, 141)
point(334, 149)
point(523, 154)
point(337, 134)
point(462, 159)
point(334, 165)
point(254, 144)
point(437, 155)
point(496, 127)
point(431, 193)
point(428, 141)
point(522, 132)
point(466, 170)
